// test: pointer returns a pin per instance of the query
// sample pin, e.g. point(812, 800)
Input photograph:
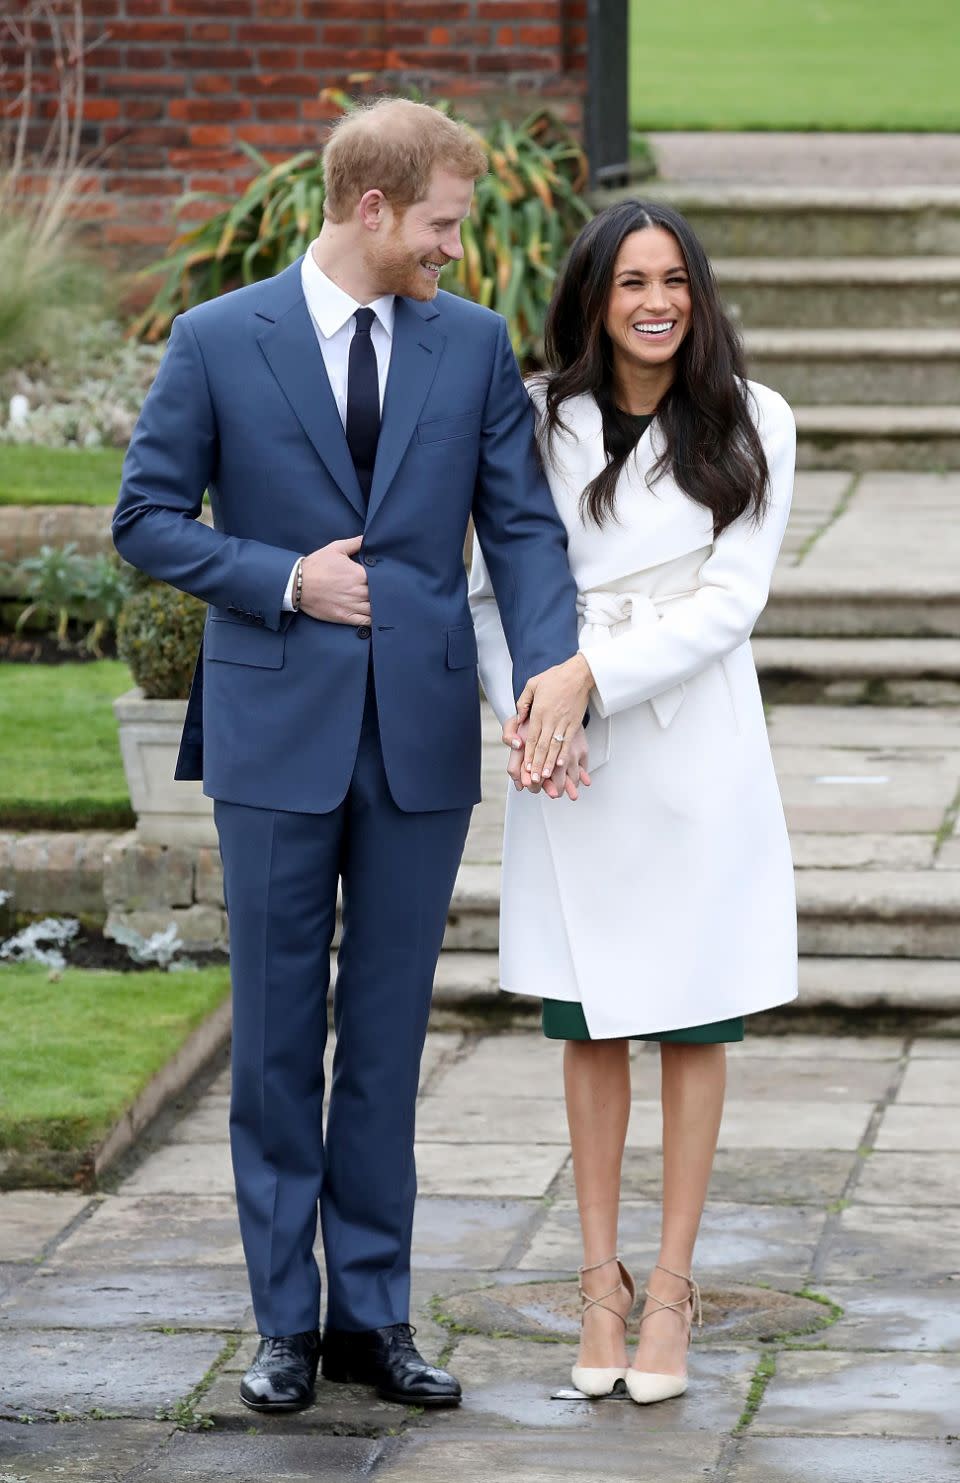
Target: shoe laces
point(285, 1349)
point(402, 1336)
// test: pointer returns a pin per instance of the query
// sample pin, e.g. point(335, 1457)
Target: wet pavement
point(125, 1321)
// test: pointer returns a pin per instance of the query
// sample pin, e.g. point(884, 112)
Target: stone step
point(826, 604)
point(860, 438)
point(864, 292)
point(895, 367)
point(819, 221)
point(842, 913)
point(467, 982)
point(858, 658)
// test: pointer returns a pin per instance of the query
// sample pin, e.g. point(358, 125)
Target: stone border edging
point(210, 1036)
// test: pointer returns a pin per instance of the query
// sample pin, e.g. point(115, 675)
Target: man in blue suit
point(347, 420)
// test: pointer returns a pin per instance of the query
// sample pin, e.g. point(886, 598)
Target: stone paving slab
point(75, 1452)
point(838, 1124)
point(921, 1129)
point(473, 1234)
point(910, 1179)
point(29, 1219)
point(155, 1230)
point(829, 1078)
point(184, 1169)
point(124, 1372)
point(931, 1081)
point(517, 1169)
point(740, 1176)
point(512, 1380)
point(748, 1243)
point(134, 1296)
point(845, 1460)
point(876, 1316)
point(907, 1395)
point(880, 1242)
point(208, 1123)
point(839, 1047)
point(203, 1458)
point(544, 1456)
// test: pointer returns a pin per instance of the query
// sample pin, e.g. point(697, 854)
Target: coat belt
point(601, 613)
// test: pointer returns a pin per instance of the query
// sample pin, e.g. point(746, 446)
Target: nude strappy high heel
point(644, 1386)
point(591, 1380)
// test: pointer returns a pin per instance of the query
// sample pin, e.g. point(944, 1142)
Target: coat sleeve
point(522, 538)
point(170, 462)
point(496, 666)
point(735, 582)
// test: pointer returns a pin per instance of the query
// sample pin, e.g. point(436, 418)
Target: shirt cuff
point(288, 595)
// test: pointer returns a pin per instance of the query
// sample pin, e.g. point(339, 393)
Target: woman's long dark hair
point(711, 444)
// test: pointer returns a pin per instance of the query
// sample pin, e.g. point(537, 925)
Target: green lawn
point(795, 64)
point(58, 476)
point(60, 764)
point(77, 1052)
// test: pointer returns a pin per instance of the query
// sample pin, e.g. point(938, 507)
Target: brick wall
point(173, 85)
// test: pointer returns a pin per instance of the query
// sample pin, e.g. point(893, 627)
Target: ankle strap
point(588, 1302)
point(597, 1265)
point(693, 1296)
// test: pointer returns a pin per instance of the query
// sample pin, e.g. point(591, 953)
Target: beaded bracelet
point(298, 586)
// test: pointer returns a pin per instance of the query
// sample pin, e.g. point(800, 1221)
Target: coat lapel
point(414, 360)
point(289, 343)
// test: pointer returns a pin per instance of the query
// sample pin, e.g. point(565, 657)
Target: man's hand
point(334, 585)
point(568, 775)
point(553, 705)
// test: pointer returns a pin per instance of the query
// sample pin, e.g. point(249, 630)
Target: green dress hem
point(565, 1020)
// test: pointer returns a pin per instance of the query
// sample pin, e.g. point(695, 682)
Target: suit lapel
point(289, 342)
point(414, 361)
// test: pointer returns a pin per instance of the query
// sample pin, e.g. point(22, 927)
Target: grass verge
point(58, 476)
point(60, 765)
point(77, 1053)
point(812, 64)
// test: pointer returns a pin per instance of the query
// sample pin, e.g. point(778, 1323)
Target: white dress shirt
point(332, 312)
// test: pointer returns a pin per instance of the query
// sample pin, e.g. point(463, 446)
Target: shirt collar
point(330, 307)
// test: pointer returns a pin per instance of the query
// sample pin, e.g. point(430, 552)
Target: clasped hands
point(547, 740)
point(552, 704)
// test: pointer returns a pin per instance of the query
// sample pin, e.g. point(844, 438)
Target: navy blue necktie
point(363, 401)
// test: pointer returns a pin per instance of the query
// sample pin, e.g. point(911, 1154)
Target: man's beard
point(395, 270)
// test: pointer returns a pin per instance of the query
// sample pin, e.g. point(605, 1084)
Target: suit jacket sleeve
point(496, 666)
point(521, 536)
point(171, 459)
point(735, 582)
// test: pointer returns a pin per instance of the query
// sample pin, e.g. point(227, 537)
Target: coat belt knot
point(601, 612)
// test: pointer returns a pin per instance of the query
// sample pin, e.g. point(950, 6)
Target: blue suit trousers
point(281, 870)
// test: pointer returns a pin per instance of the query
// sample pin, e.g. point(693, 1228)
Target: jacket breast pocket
point(242, 643)
point(461, 647)
point(445, 429)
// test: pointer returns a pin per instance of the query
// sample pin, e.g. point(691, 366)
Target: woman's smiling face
point(648, 311)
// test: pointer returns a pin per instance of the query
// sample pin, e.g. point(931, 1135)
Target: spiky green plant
point(526, 212)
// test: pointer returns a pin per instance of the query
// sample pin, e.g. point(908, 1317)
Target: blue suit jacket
point(242, 406)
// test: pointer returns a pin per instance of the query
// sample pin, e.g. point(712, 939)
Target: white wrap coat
point(663, 898)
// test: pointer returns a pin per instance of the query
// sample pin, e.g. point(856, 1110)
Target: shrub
point(525, 214)
point(158, 635)
point(62, 587)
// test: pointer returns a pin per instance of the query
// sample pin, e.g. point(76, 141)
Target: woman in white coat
point(662, 906)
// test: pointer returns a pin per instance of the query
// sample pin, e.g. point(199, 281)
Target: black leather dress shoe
point(388, 1359)
point(284, 1373)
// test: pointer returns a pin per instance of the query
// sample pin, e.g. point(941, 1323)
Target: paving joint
point(864, 1150)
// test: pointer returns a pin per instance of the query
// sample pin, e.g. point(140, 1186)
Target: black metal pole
point(607, 133)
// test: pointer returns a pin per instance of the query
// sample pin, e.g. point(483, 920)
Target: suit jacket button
point(370, 561)
point(363, 632)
